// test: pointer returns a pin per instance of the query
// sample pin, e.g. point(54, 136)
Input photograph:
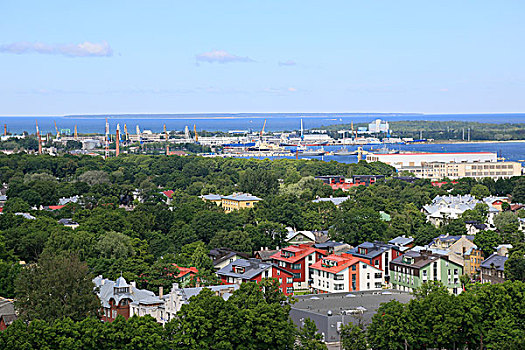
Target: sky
point(224, 56)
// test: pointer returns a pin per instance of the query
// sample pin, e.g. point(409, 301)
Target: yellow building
point(238, 201)
point(235, 201)
point(214, 198)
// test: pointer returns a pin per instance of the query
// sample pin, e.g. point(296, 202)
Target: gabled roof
point(187, 293)
point(373, 249)
point(252, 269)
point(168, 193)
point(308, 234)
point(342, 263)
point(300, 251)
point(212, 197)
point(495, 260)
point(401, 240)
point(336, 200)
point(107, 291)
point(67, 222)
point(266, 254)
point(183, 271)
point(218, 255)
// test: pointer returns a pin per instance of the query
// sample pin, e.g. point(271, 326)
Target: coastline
point(437, 142)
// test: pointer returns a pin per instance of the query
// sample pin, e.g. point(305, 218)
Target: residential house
point(221, 257)
point(493, 268)
point(168, 196)
point(378, 254)
point(299, 237)
point(117, 296)
point(332, 247)
point(403, 242)
point(297, 260)
point(410, 271)
point(446, 208)
point(265, 254)
point(253, 270)
point(474, 227)
point(68, 223)
point(180, 296)
point(7, 313)
point(337, 201)
point(461, 250)
point(344, 273)
point(185, 274)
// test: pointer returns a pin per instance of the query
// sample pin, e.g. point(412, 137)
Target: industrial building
point(440, 170)
point(399, 160)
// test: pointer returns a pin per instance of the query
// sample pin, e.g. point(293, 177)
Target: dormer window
point(239, 269)
point(362, 251)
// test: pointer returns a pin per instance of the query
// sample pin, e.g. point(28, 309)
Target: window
point(367, 276)
point(376, 262)
point(296, 266)
point(377, 275)
point(339, 286)
point(368, 285)
point(310, 257)
point(455, 271)
point(353, 267)
point(339, 277)
point(364, 266)
point(378, 285)
point(266, 274)
point(289, 280)
point(289, 290)
point(280, 280)
point(278, 272)
point(297, 275)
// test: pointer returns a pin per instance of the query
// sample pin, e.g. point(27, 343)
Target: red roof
point(168, 193)
point(1, 209)
point(300, 251)
point(343, 261)
point(441, 183)
point(56, 207)
point(183, 271)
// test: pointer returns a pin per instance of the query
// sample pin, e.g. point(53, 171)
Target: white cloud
point(220, 56)
point(287, 63)
point(85, 49)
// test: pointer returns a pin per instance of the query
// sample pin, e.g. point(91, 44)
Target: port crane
point(56, 129)
point(39, 139)
point(167, 140)
point(196, 135)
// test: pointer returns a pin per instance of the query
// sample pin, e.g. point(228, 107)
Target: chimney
point(161, 292)
point(133, 284)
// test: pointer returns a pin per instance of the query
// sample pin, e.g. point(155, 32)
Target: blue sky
point(82, 57)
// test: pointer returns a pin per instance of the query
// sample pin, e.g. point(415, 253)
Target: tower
point(106, 152)
point(117, 141)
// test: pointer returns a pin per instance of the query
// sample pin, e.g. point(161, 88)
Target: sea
point(274, 122)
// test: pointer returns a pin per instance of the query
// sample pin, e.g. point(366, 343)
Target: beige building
point(461, 250)
point(440, 170)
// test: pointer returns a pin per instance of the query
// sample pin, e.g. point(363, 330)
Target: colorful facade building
point(378, 254)
point(345, 273)
point(253, 270)
point(297, 260)
point(411, 270)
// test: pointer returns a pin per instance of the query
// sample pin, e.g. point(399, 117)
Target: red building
point(297, 260)
point(253, 270)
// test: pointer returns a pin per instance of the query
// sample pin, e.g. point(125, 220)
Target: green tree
point(258, 182)
point(54, 288)
point(115, 245)
point(506, 222)
point(308, 338)
point(515, 264)
point(487, 241)
point(16, 205)
point(237, 240)
point(480, 191)
point(353, 337)
point(518, 193)
point(388, 329)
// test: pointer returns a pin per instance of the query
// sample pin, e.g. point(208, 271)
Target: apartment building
point(344, 273)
